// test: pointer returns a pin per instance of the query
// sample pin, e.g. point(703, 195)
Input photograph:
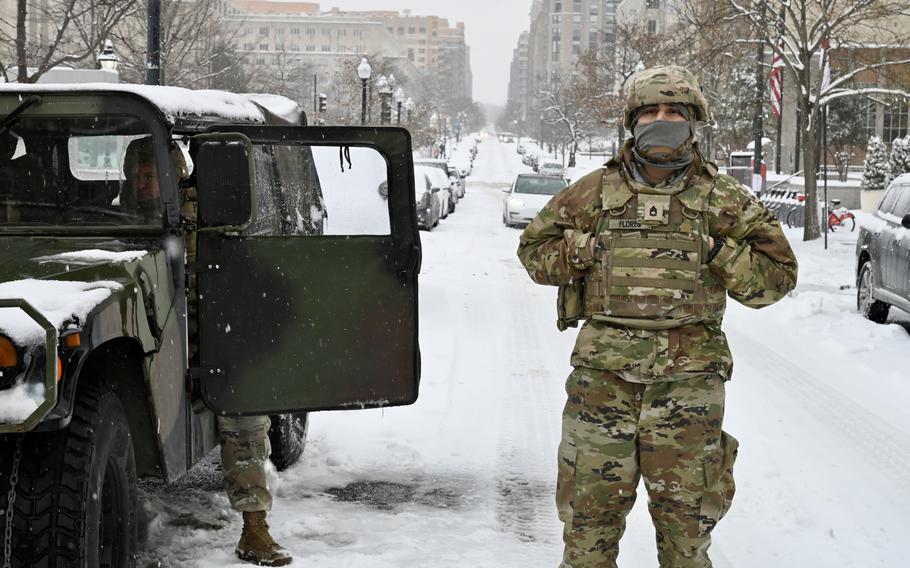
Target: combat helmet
point(665, 84)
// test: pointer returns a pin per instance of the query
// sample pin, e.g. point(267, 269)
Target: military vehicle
point(306, 280)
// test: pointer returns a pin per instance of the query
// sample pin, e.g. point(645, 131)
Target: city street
point(466, 476)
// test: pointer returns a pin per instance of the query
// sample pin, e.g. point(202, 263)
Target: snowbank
point(17, 403)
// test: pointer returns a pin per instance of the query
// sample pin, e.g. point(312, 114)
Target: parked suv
point(99, 383)
point(883, 255)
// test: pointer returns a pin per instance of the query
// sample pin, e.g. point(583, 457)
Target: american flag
point(776, 79)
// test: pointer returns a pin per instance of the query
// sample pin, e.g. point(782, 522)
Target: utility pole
point(757, 121)
point(153, 73)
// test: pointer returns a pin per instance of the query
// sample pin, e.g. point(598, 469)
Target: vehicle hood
point(532, 199)
point(64, 258)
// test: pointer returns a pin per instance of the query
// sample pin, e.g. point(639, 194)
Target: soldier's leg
point(687, 462)
point(244, 450)
point(598, 466)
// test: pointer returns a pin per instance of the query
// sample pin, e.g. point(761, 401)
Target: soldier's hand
point(710, 243)
point(591, 241)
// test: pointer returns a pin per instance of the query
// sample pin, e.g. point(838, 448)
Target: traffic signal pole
point(153, 63)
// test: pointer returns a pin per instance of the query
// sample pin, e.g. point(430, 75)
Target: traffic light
point(322, 102)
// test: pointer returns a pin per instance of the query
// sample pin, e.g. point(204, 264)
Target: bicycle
point(839, 218)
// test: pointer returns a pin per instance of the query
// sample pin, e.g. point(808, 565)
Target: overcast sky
point(491, 29)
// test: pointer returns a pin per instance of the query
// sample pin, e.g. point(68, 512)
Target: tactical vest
point(651, 246)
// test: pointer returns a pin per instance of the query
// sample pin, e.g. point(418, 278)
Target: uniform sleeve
point(553, 248)
point(756, 264)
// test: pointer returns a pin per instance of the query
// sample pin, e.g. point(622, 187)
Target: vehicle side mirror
point(383, 189)
point(906, 221)
point(224, 181)
point(507, 190)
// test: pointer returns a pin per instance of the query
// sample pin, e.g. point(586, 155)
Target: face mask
point(663, 134)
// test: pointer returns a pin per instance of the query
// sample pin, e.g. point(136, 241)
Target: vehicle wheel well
point(117, 365)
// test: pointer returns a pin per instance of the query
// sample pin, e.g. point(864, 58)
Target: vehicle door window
point(902, 203)
point(890, 198)
point(319, 190)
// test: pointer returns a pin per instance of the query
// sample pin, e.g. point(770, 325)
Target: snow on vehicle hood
point(57, 300)
point(92, 256)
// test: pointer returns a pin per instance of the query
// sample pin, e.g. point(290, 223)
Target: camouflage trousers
point(245, 448)
point(615, 432)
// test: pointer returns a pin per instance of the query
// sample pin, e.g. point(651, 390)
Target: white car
point(551, 168)
point(438, 178)
point(528, 194)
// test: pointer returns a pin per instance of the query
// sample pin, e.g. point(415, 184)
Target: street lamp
point(399, 99)
point(364, 71)
point(409, 106)
point(107, 59)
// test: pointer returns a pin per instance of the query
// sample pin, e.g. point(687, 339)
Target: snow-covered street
point(466, 476)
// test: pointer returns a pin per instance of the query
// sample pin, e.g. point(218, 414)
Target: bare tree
point(564, 107)
point(198, 46)
point(798, 31)
point(64, 32)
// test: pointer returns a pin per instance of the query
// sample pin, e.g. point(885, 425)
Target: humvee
point(306, 280)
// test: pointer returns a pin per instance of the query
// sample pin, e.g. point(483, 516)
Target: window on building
point(326, 47)
point(279, 31)
point(897, 116)
point(422, 60)
point(557, 19)
point(358, 33)
point(248, 47)
point(342, 33)
point(263, 47)
point(557, 5)
point(576, 5)
point(311, 32)
point(400, 30)
point(592, 40)
point(411, 54)
point(652, 4)
point(421, 50)
point(264, 31)
point(593, 9)
point(327, 32)
point(423, 30)
point(260, 61)
point(652, 26)
point(576, 19)
point(410, 29)
point(311, 47)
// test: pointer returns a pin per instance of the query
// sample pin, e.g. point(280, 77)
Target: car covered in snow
point(305, 279)
point(551, 168)
point(883, 254)
point(429, 206)
point(526, 196)
point(457, 182)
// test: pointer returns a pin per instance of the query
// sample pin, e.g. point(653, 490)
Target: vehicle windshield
point(78, 171)
point(540, 185)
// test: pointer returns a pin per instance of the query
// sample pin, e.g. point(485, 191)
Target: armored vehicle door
point(311, 303)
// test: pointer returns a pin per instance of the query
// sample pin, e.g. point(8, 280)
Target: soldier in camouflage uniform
point(245, 446)
point(645, 250)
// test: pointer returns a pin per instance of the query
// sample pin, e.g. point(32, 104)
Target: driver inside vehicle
point(140, 194)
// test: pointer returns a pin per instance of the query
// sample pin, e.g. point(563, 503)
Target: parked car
point(527, 195)
point(551, 168)
point(97, 384)
point(439, 180)
point(530, 152)
point(429, 207)
point(883, 255)
point(458, 183)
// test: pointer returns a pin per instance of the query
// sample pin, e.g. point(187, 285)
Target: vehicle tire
point(76, 497)
point(871, 309)
point(451, 205)
point(288, 438)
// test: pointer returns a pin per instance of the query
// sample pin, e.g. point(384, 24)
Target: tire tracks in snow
point(869, 435)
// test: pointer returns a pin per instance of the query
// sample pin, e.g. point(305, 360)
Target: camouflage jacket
point(755, 266)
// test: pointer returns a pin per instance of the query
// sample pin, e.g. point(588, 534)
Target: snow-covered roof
point(903, 178)
point(177, 103)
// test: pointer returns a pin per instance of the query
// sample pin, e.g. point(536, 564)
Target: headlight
point(9, 362)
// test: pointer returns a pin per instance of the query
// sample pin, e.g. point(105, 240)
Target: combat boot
point(257, 545)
